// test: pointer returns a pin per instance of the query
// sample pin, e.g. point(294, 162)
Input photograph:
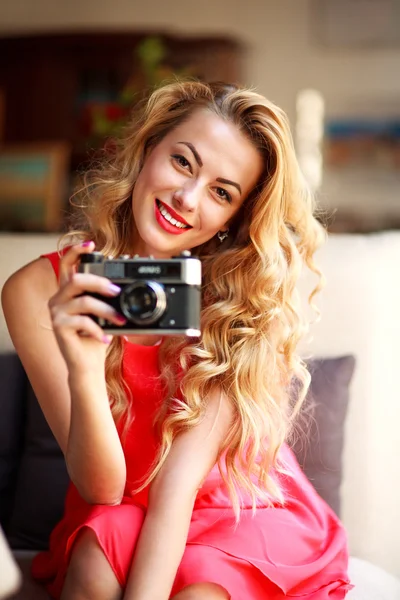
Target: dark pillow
point(41, 486)
point(319, 447)
point(43, 479)
point(13, 384)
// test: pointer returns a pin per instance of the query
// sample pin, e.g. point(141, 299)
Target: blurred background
point(70, 71)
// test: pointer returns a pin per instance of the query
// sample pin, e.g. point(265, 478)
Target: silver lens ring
point(161, 302)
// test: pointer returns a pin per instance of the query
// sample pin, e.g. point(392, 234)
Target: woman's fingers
point(71, 305)
point(79, 283)
point(86, 305)
point(84, 326)
point(70, 261)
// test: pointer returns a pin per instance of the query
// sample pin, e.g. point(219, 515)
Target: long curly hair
point(251, 319)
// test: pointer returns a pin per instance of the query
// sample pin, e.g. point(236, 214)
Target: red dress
point(298, 551)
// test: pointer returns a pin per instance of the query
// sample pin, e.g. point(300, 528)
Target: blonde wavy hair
point(251, 320)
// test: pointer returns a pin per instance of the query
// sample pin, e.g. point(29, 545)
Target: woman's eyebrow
point(200, 163)
point(194, 151)
point(229, 182)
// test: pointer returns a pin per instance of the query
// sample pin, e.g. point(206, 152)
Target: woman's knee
point(203, 591)
point(89, 573)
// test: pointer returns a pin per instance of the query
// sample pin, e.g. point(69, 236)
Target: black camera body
point(157, 295)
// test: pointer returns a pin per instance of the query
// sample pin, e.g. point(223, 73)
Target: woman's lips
point(166, 225)
point(173, 213)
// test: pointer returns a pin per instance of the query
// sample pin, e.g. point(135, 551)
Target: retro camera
point(157, 295)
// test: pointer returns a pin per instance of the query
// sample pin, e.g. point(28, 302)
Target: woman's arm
point(75, 404)
point(172, 495)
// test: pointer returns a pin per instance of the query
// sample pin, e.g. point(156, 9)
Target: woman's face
point(192, 184)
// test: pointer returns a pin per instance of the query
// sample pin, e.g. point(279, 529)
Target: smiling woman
point(182, 483)
point(193, 188)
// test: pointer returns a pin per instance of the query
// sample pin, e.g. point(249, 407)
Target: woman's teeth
point(169, 218)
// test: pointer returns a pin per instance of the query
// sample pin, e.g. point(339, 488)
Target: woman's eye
point(182, 161)
point(222, 193)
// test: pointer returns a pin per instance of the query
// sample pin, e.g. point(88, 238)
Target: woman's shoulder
point(24, 298)
point(36, 279)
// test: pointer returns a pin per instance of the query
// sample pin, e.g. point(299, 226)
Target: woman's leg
point(89, 575)
point(202, 591)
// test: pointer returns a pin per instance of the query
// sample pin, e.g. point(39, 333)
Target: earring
point(222, 235)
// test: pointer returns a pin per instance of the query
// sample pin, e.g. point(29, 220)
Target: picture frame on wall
point(34, 186)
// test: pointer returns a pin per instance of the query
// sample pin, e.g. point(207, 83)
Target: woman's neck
point(143, 340)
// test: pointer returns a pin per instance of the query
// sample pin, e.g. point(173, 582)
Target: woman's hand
point(82, 342)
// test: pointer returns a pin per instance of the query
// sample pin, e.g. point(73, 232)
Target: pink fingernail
point(106, 339)
point(114, 288)
point(86, 244)
point(120, 318)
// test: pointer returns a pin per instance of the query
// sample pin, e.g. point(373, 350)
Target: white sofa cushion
point(361, 315)
point(10, 576)
point(371, 582)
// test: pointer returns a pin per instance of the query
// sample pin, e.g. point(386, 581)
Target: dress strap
point(54, 258)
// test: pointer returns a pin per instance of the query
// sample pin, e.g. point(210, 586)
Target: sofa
point(355, 393)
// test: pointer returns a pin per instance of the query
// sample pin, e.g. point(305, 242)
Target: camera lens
point(143, 302)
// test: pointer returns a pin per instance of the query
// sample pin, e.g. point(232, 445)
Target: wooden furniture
point(53, 84)
point(33, 185)
point(49, 79)
point(2, 114)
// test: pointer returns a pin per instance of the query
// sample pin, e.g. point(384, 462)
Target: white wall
point(282, 58)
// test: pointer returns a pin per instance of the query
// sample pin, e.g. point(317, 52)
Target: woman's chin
point(161, 249)
point(153, 241)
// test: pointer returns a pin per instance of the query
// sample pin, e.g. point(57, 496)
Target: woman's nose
point(187, 197)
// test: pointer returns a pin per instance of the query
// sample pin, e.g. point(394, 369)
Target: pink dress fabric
point(295, 551)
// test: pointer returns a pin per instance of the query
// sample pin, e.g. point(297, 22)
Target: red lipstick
point(174, 214)
point(166, 225)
